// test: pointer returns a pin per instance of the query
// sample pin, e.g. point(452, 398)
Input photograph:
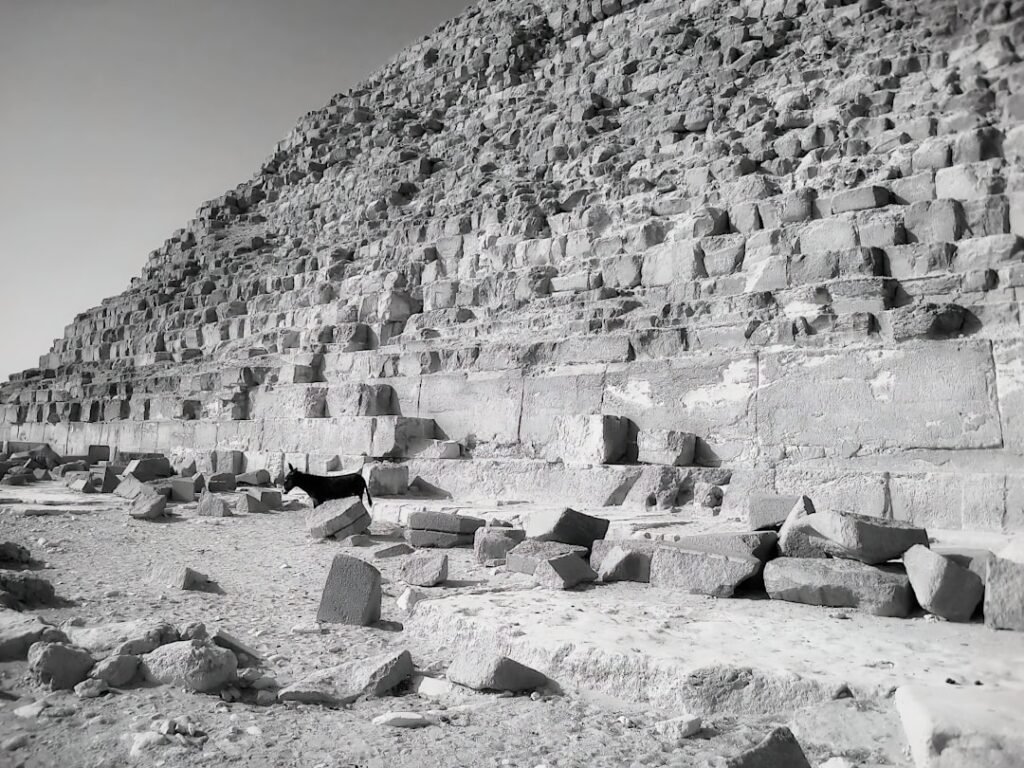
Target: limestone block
point(474, 408)
point(859, 199)
point(767, 511)
point(779, 747)
point(563, 572)
point(598, 439)
point(525, 557)
point(397, 436)
point(941, 586)
point(420, 538)
point(882, 591)
point(622, 271)
point(342, 684)
point(341, 517)
point(832, 234)
point(351, 593)
point(700, 572)
point(386, 479)
point(546, 397)
point(425, 569)
point(492, 672)
point(854, 396)
point(673, 262)
point(360, 400)
point(491, 545)
point(444, 522)
point(665, 446)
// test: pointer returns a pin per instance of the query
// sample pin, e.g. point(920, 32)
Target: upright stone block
point(351, 593)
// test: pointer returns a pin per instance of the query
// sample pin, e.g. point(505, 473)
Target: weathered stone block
point(589, 439)
point(566, 526)
point(665, 446)
point(941, 586)
point(700, 572)
point(881, 591)
point(351, 593)
point(1004, 594)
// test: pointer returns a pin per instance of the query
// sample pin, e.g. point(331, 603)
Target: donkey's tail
point(366, 490)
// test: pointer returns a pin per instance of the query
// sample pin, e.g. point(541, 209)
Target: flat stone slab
point(839, 584)
point(684, 653)
point(444, 522)
point(953, 727)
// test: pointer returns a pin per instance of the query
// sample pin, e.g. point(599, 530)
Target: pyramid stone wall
point(789, 228)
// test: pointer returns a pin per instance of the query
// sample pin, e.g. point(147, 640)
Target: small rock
point(425, 569)
point(146, 742)
point(678, 728)
point(344, 683)
point(394, 550)
point(116, 670)
point(266, 698)
point(91, 688)
point(566, 526)
point(59, 665)
point(403, 720)
point(483, 672)
point(408, 599)
point(212, 505)
point(193, 664)
point(492, 544)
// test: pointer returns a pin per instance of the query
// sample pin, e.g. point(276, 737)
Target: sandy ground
point(270, 575)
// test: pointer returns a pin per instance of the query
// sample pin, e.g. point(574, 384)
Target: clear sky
point(118, 118)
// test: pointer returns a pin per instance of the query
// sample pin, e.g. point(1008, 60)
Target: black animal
point(321, 489)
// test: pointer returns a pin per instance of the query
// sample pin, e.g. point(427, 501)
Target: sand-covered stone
point(351, 594)
point(882, 591)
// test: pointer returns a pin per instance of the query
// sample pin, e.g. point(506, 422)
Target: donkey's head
point(290, 478)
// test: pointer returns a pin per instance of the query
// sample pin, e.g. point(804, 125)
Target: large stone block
point(1004, 594)
point(871, 540)
point(474, 407)
point(398, 436)
point(857, 397)
point(589, 439)
point(351, 593)
point(338, 516)
point(566, 526)
point(881, 591)
point(665, 446)
point(576, 390)
point(701, 572)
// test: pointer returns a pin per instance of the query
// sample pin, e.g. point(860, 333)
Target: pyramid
point(774, 243)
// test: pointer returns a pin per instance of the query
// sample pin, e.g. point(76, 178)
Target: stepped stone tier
point(607, 252)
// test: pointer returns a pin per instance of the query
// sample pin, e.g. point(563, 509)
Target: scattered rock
point(408, 599)
point(437, 539)
point(393, 550)
point(678, 729)
point(777, 750)
point(351, 593)
point(25, 590)
point(180, 577)
point(941, 586)
point(117, 671)
point(425, 569)
point(338, 517)
point(525, 557)
point(704, 573)
point(126, 637)
point(12, 553)
point(403, 720)
point(233, 644)
point(483, 672)
point(193, 664)
point(566, 526)
point(59, 665)
point(491, 545)
point(619, 564)
point(212, 505)
point(563, 572)
point(91, 688)
point(19, 631)
point(882, 591)
point(343, 684)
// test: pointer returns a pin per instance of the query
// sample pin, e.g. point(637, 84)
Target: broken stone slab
point(130, 487)
point(183, 489)
point(768, 511)
point(675, 730)
point(438, 539)
point(882, 591)
point(338, 517)
point(221, 482)
point(425, 569)
point(59, 666)
point(392, 550)
point(618, 564)
point(146, 507)
point(659, 487)
point(110, 481)
point(180, 577)
point(494, 672)
point(563, 572)
point(18, 632)
point(1004, 594)
point(871, 540)
point(351, 594)
point(491, 545)
point(961, 727)
point(759, 544)
point(444, 522)
point(566, 526)
point(941, 586)
point(665, 446)
point(779, 748)
point(699, 572)
point(233, 644)
point(798, 536)
point(149, 469)
point(525, 557)
point(257, 478)
point(83, 485)
point(197, 665)
point(123, 637)
point(344, 683)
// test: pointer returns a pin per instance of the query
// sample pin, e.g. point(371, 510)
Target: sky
point(118, 118)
